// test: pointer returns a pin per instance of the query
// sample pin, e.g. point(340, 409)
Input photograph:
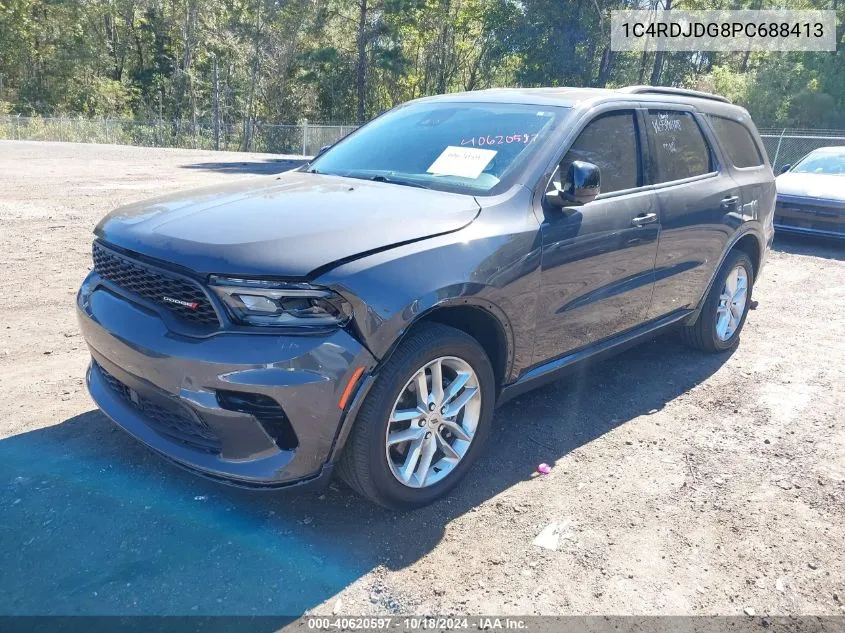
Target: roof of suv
point(574, 97)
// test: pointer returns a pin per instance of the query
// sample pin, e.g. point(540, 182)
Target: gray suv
point(368, 311)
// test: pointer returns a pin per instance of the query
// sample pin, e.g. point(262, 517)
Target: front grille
point(810, 214)
point(175, 421)
point(181, 296)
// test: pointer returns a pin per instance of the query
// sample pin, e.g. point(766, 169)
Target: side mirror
point(582, 185)
point(785, 169)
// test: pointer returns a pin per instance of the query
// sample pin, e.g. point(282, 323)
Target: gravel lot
point(687, 484)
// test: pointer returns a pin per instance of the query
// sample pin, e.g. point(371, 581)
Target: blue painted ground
point(91, 523)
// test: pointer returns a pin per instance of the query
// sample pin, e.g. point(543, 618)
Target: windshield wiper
point(398, 181)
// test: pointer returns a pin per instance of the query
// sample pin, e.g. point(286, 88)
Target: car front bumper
point(810, 216)
point(255, 410)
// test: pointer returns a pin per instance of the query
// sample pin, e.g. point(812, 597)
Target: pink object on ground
point(544, 469)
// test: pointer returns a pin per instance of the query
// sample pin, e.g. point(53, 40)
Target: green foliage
point(810, 109)
point(727, 82)
point(336, 60)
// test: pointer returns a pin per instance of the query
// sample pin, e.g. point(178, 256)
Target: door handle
point(644, 218)
point(731, 202)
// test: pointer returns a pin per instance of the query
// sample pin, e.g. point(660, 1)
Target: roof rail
point(681, 92)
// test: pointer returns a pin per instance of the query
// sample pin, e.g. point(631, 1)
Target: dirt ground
point(685, 483)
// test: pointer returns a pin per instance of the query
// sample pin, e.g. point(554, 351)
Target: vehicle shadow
point(259, 167)
point(829, 248)
point(93, 523)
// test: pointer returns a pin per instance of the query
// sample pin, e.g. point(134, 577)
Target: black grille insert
point(181, 296)
point(174, 422)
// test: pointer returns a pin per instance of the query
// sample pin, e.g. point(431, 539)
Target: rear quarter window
point(737, 142)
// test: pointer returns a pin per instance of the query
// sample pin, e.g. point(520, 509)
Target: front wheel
point(725, 308)
point(424, 422)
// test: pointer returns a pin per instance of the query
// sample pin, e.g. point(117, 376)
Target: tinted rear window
point(679, 147)
point(737, 142)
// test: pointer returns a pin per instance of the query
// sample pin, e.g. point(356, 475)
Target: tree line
point(348, 60)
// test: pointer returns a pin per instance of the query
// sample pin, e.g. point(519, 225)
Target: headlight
point(273, 303)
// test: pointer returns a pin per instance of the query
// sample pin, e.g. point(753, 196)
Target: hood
point(824, 186)
point(286, 226)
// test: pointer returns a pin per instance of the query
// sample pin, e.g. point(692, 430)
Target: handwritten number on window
point(483, 139)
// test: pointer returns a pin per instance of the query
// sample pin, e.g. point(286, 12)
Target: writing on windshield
point(499, 139)
point(419, 143)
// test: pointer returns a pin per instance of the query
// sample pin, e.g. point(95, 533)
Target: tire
point(704, 334)
point(365, 464)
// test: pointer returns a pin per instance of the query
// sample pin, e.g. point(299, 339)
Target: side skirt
point(559, 367)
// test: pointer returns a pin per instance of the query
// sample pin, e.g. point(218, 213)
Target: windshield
point(822, 163)
point(460, 147)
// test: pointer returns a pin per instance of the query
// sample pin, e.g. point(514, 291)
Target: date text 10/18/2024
point(373, 623)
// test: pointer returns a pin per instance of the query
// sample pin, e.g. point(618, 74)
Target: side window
point(680, 150)
point(609, 142)
point(737, 141)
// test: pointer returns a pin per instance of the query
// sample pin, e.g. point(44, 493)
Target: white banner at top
point(723, 30)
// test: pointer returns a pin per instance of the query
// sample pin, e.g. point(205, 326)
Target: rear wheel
point(424, 422)
point(726, 307)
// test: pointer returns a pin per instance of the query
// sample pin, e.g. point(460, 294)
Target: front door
point(598, 258)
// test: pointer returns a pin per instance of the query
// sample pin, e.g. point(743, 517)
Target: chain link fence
point(784, 146)
point(303, 138)
point(787, 146)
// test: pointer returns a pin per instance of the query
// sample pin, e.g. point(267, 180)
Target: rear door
point(598, 258)
point(695, 197)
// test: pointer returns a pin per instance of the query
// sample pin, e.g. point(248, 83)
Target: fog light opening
point(267, 411)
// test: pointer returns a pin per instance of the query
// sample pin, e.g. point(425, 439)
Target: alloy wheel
point(732, 301)
point(433, 422)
